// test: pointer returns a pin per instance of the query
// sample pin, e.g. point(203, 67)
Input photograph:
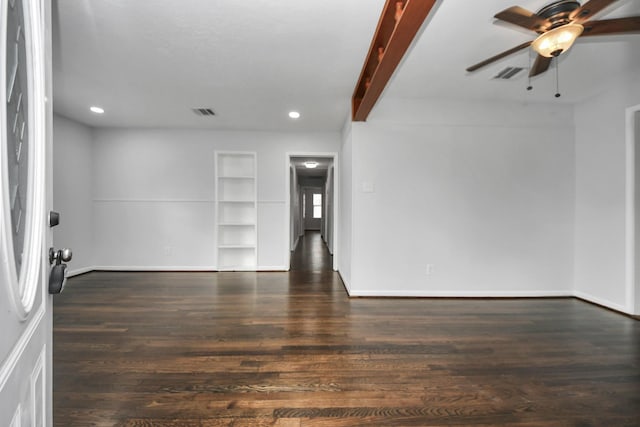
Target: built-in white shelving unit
point(236, 210)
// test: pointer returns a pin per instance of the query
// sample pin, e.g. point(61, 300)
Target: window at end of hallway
point(317, 205)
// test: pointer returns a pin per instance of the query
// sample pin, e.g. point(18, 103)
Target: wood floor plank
point(292, 350)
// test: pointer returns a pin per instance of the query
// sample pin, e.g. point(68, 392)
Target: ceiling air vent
point(203, 111)
point(507, 73)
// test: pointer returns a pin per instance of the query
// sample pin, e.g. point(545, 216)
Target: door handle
point(58, 273)
point(60, 255)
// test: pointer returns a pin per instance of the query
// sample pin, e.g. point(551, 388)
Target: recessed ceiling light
point(294, 114)
point(96, 110)
point(311, 165)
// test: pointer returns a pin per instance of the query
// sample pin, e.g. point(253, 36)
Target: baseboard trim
point(345, 283)
point(473, 294)
point(279, 268)
point(624, 313)
point(153, 268)
point(602, 303)
point(295, 243)
point(375, 294)
point(79, 271)
point(274, 268)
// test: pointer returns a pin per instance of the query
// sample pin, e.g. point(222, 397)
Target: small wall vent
point(203, 111)
point(508, 73)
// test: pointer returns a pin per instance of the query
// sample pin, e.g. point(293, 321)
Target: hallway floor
point(311, 253)
point(291, 349)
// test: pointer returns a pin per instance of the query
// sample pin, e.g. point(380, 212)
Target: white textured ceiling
point(147, 63)
point(462, 33)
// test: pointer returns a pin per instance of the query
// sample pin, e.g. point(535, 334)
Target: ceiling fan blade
point(612, 26)
point(498, 56)
point(589, 9)
point(540, 66)
point(521, 17)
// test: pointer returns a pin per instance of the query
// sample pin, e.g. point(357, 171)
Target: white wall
point(328, 219)
point(295, 209)
point(154, 194)
point(73, 191)
point(345, 212)
point(600, 230)
point(482, 192)
point(636, 284)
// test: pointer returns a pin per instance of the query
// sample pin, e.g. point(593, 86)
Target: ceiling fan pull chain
point(557, 79)
point(529, 87)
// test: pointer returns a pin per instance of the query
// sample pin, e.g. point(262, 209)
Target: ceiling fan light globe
point(557, 41)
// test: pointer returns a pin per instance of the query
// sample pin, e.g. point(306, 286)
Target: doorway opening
point(312, 208)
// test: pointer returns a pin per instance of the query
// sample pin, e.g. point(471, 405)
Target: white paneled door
point(25, 166)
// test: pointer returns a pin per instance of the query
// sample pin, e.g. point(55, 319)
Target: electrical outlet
point(168, 250)
point(430, 269)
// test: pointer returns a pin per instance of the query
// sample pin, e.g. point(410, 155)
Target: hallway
point(311, 253)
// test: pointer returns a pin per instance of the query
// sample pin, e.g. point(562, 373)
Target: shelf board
point(236, 208)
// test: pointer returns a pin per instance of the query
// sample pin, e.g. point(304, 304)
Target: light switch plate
point(368, 187)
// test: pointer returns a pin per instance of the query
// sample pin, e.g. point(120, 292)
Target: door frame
point(336, 200)
point(632, 265)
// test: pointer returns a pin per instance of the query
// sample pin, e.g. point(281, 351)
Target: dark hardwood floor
point(311, 254)
point(291, 349)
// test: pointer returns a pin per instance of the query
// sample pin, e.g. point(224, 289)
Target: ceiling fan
point(559, 24)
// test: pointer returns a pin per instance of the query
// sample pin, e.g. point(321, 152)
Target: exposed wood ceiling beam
point(397, 27)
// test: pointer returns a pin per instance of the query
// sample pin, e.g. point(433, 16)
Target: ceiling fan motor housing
point(557, 14)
